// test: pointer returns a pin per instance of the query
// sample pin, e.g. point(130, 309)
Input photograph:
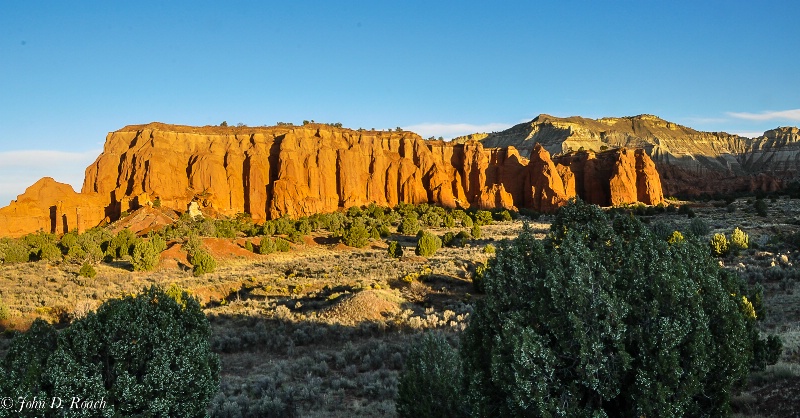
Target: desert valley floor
point(323, 329)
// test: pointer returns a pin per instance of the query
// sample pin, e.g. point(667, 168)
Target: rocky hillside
point(301, 170)
point(689, 161)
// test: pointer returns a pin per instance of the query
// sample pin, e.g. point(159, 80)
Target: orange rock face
point(546, 188)
point(612, 178)
point(298, 171)
point(50, 206)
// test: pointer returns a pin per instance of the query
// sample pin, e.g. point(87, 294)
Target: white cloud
point(452, 130)
point(792, 114)
point(20, 169)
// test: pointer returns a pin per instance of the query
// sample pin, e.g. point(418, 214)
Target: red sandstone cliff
point(296, 171)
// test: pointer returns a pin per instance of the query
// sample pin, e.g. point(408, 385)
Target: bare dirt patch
point(367, 305)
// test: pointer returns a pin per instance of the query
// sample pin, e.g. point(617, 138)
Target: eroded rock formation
point(50, 206)
point(690, 162)
point(296, 171)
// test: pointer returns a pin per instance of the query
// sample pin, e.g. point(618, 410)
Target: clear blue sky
point(70, 72)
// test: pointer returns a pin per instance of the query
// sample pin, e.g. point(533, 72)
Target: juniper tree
point(145, 355)
point(606, 319)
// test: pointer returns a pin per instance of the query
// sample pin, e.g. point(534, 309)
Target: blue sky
point(70, 72)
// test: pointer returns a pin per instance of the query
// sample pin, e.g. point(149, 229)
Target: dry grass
point(324, 329)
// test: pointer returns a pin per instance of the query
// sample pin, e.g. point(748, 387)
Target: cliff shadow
point(53, 219)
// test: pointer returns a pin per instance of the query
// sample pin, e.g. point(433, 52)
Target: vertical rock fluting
point(545, 188)
point(270, 172)
point(611, 178)
point(299, 171)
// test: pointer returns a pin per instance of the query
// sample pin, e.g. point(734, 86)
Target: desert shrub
point(430, 383)
point(675, 238)
point(94, 242)
point(529, 213)
point(245, 224)
point(428, 244)
point(158, 242)
point(761, 207)
point(122, 244)
point(192, 244)
point(178, 294)
point(449, 221)
point(145, 355)
point(268, 228)
point(374, 233)
point(88, 246)
point(205, 227)
point(295, 237)
point(482, 217)
point(87, 270)
point(477, 277)
point(35, 242)
point(145, 257)
point(403, 209)
point(303, 226)
point(395, 249)
point(661, 229)
point(226, 228)
point(409, 225)
point(248, 246)
point(282, 245)
point(68, 240)
point(686, 210)
point(431, 219)
point(698, 227)
point(283, 225)
point(356, 235)
point(767, 351)
point(462, 217)
point(719, 245)
point(579, 324)
point(49, 252)
point(391, 218)
point(15, 252)
point(476, 231)
point(448, 238)
point(179, 228)
point(22, 368)
point(489, 249)
point(374, 211)
point(202, 263)
point(503, 216)
point(354, 212)
point(5, 313)
point(267, 246)
point(739, 240)
point(461, 238)
point(334, 222)
point(77, 253)
point(458, 240)
point(421, 208)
